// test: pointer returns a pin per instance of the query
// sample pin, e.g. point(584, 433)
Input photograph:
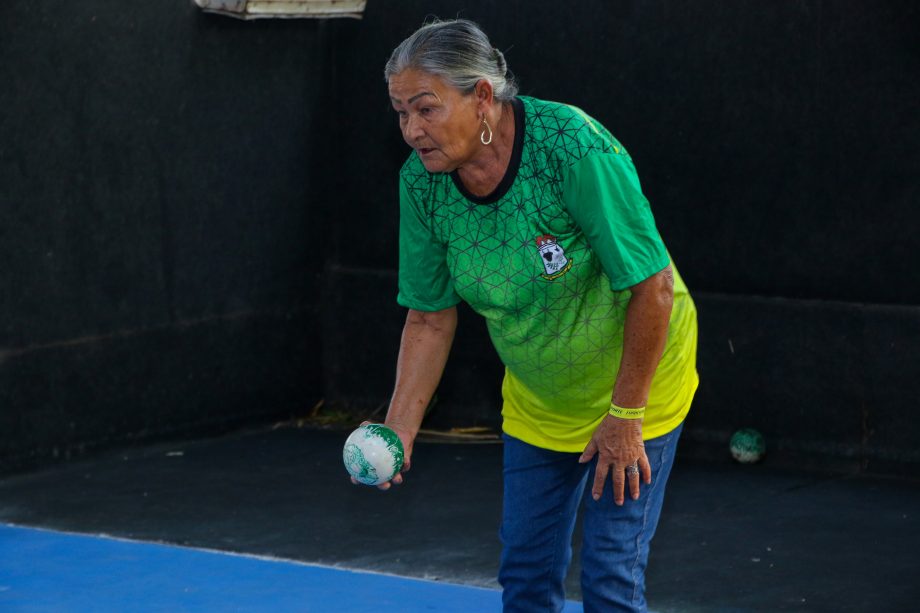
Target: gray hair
point(459, 52)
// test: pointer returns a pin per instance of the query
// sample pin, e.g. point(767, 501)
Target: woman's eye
point(425, 110)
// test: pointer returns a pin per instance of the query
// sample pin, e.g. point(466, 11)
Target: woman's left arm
point(618, 441)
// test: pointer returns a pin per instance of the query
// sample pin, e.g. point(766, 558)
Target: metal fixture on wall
point(284, 9)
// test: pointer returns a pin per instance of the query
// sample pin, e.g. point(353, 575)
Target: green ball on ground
point(748, 446)
point(373, 454)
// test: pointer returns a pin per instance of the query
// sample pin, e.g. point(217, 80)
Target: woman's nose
point(412, 130)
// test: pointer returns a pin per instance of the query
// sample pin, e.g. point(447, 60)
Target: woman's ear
point(484, 95)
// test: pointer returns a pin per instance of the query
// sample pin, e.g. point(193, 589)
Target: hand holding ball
point(373, 454)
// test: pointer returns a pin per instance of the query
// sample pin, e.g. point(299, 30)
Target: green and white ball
point(747, 446)
point(373, 454)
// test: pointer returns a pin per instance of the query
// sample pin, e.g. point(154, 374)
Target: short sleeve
point(425, 283)
point(603, 196)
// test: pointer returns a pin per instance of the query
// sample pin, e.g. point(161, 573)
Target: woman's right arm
point(426, 341)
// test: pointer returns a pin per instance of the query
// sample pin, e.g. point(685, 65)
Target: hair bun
point(500, 60)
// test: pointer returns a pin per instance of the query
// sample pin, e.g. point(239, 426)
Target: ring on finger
point(633, 469)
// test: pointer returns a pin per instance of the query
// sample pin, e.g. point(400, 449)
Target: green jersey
point(548, 259)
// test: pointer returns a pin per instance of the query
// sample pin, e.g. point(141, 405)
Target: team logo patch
point(553, 257)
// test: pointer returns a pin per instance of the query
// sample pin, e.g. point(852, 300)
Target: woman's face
point(436, 120)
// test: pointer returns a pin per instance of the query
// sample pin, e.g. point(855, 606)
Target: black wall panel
point(827, 380)
point(162, 216)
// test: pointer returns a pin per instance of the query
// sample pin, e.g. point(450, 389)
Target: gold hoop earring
point(482, 137)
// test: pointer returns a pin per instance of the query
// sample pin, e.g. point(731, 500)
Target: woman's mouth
point(425, 150)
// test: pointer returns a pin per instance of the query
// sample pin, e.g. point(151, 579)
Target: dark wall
point(777, 143)
point(162, 222)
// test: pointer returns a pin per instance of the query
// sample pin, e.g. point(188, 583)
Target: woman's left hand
point(618, 444)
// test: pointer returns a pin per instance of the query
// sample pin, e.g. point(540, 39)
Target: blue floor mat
point(42, 570)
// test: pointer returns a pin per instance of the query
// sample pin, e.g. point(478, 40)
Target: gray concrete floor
point(732, 538)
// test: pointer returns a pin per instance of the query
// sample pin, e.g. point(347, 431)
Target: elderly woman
point(532, 213)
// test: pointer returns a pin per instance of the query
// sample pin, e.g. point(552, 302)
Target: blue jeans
point(543, 490)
